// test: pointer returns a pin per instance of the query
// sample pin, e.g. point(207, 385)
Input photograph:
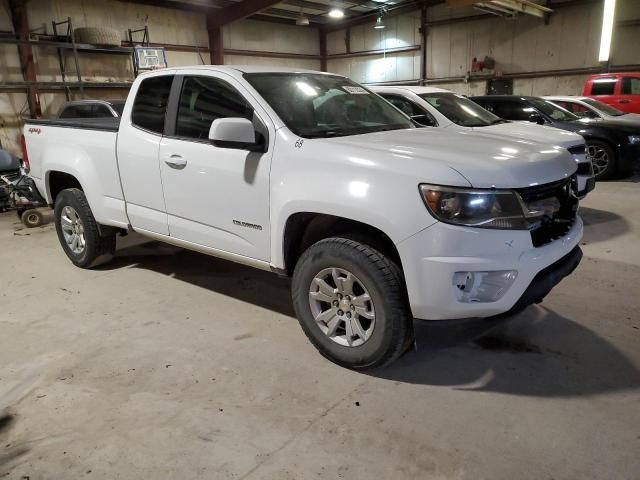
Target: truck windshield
point(460, 110)
point(552, 110)
point(603, 107)
point(317, 105)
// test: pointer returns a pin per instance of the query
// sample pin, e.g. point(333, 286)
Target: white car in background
point(590, 108)
point(436, 107)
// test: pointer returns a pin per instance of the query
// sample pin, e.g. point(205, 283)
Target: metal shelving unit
point(63, 40)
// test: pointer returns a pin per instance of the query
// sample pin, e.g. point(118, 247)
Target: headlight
point(475, 208)
point(634, 139)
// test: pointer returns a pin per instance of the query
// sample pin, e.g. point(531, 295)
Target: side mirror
point(536, 118)
point(237, 133)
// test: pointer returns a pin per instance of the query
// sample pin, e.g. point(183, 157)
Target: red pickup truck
point(620, 90)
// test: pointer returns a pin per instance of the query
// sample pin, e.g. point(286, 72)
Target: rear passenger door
point(215, 197)
point(141, 130)
point(629, 100)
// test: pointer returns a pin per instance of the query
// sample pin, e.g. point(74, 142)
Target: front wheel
point(78, 231)
point(351, 303)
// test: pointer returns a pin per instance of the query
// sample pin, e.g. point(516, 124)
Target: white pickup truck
point(311, 175)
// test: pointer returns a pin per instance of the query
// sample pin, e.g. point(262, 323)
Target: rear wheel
point(78, 231)
point(351, 303)
point(602, 158)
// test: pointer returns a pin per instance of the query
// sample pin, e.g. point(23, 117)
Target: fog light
point(483, 286)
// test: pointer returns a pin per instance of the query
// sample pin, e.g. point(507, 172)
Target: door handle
point(176, 161)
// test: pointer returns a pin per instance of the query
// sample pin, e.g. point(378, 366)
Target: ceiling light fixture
point(302, 20)
point(336, 13)
point(379, 23)
point(607, 30)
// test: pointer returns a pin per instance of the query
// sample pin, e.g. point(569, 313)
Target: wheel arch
point(57, 180)
point(303, 229)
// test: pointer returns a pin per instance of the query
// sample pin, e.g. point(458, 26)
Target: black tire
point(104, 37)
point(598, 148)
point(98, 249)
point(381, 277)
point(32, 218)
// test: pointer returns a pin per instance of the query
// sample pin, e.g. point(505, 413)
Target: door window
point(411, 109)
point(575, 108)
point(512, 110)
point(631, 86)
point(150, 105)
point(203, 100)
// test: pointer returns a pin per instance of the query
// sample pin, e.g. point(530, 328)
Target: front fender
point(376, 192)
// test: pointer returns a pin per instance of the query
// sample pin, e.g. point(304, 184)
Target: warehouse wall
point(165, 25)
point(400, 31)
point(569, 41)
point(259, 36)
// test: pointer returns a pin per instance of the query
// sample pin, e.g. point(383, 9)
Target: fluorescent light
point(302, 20)
point(336, 13)
point(607, 30)
point(379, 23)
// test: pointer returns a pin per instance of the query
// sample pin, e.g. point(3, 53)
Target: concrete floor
point(170, 364)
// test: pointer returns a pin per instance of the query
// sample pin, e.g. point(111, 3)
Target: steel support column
point(216, 44)
point(322, 35)
point(25, 52)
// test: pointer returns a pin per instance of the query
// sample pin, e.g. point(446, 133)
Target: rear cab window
point(150, 104)
point(603, 86)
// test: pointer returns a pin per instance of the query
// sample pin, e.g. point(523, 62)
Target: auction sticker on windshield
point(355, 90)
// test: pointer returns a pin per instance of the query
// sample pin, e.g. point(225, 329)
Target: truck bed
point(108, 124)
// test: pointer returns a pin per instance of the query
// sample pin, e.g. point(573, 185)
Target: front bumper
point(431, 258)
point(590, 185)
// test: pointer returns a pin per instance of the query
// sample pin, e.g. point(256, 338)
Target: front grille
point(551, 210)
point(578, 150)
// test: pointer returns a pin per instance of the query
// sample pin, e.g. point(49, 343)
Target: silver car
point(590, 108)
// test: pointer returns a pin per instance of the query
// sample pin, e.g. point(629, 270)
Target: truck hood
point(484, 160)
point(532, 131)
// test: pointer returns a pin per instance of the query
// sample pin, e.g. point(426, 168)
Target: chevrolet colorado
point(311, 175)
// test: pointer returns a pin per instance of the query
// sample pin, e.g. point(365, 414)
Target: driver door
point(215, 197)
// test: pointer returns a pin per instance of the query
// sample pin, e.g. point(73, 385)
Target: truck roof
point(411, 88)
point(233, 69)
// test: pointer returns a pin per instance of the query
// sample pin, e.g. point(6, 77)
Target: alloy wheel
point(342, 307)
point(73, 230)
point(599, 158)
